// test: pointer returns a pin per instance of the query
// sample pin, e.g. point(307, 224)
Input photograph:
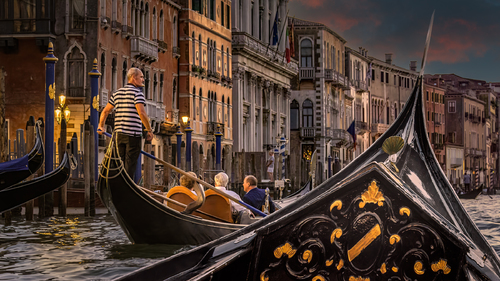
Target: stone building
point(261, 76)
point(358, 72)
point(435, 115)
point(120, 35)
point(390, 87)
point(322, 106)
point(25, 31)
point(205, 81)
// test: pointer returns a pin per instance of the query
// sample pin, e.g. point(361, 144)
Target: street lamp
point(185, 120)
point(62, 110)
point(188, 131)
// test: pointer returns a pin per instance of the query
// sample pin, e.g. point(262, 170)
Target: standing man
point(270, 165)
point(255, 196)
point(467, 182)
point(129, 102)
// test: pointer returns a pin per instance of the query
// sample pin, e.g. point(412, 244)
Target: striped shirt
point(127, 120)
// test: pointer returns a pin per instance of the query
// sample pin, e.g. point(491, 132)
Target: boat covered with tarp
point(23, 192)
point(17, 170)
point(391, 214)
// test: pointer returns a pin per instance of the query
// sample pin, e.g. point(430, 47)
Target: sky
point(465, 36)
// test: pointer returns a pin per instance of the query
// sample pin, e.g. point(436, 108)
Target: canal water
point(81, 248)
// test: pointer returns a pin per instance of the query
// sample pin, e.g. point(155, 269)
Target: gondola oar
point(207, 185)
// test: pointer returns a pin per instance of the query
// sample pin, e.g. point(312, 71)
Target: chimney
point(413, 65)
point(388, 58)
point(366, 53)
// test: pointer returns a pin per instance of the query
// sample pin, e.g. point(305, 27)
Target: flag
point(287, 51)
point(352, 131)
point(275, 29)
point(292, 44)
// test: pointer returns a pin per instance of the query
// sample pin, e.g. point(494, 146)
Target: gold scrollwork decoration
point(284, 249)
point(441, 265)
point(307, 256)
point(52, 91)
point(263, 276)
point(418, 267)
point(404, 210)
point(395, 269)
point(352, 278)
point(372, 195)
point(328, 262)
point(95, 102)
point(383, 268)
point(394, 239)
point(340, 265)
point(337, 204)
point(335, 234)
point(318, 278)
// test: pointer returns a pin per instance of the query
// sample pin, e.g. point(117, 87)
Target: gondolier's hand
point(100, 130)
point(149, 136)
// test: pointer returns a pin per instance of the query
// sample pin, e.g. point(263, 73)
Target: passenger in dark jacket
point(255, 196)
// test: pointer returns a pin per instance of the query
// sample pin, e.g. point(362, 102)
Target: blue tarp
point(20, 164)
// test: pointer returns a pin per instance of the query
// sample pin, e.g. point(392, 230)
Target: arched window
point(124, 73)
point(174, 93)
point(306, 53)
point(146, 24)
point(75, 73)
point(155, 34)
point(227, 62)
point(174, 32)
point(114, 75)
point(124, 12)
point(155, 87)
point(114, 8)
point(307, 114)
point(160, 92)
point(103, 71)
point(146, 85)
point(294, 115)
point(200, 107)
point(198, 54)
point(228, 113)
point(161, 36)
point(194, 103)
point(221, 69)
point(194, 48)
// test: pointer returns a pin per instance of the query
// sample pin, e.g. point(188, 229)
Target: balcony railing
point(438, 146)
point(437, 123)
point(36, 26)
point(378, 128)
point(176, 52)
point(144, 49)
point(162, 45)
point(307, 132)
point(306, 73)
point(127, 31)
point(335, 77)
point(155, 111)
point(361, 86)
point(212, 128)
point(342, 137)
point(361, 127)
point(116, 27)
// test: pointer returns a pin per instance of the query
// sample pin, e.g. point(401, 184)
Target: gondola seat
point(180, 194)
point(217, 205)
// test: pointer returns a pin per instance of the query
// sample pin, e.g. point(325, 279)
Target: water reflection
point(81, 248)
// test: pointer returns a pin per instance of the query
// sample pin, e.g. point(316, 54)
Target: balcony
point(438, 146)
point(335, 78)
point(116, 27)
point(23, 26)
point(144, 49)
point(474, 119)
point(105, 22)
point(378, 128)
point(306, 73)
point(361, 86)
point(307, 132)
point(361, 127)
point(176, 52)
point(155, 111)
point(127, 31)
point(342, 137)
point(212, 128)
point(437, 123)
point(494, 137)
point(162, 46)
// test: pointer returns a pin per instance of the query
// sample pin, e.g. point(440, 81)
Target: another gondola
point(391, 214)
point(21, 193)
point(146, 220)
point(15, 171)
point(473, 194)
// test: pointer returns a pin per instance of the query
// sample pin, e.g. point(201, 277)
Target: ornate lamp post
point(188, 131)
point(218, 148)
point(179, 140)
point(50, 90)
point(62, 111)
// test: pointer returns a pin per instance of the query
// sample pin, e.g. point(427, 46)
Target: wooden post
point(30, 142)
point(86, 166)
point(63, 190)
point(93, 168)
point(148, 166)
point(41, 171)
point(3, 132)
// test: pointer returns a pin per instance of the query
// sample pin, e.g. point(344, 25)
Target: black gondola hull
point(21, 193)
point(35, 161)
point(473, 194)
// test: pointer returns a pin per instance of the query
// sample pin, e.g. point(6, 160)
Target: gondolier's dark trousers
point(129, 148)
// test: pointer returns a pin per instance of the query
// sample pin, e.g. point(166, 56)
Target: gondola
point(473, 194)
point(22, 192)
point(15, 171)
point(150, 221)
point(391, 214)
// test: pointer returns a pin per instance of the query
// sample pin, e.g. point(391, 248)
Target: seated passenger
point(186, 185)
point(221, 180)
point(255, 196)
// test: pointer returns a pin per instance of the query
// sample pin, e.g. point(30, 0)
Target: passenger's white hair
point(221, 179)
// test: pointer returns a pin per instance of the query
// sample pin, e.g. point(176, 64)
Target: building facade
point(205, 82)
point(322, 106)
point(435, 115)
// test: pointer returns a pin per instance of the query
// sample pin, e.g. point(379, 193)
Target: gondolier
point(130, 113)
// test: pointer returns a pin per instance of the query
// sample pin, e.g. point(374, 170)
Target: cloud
point(312, 3)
